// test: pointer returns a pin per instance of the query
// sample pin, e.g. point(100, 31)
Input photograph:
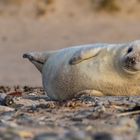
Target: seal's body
point(97, 69)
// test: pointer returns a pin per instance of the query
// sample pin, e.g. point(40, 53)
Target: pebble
point(77, 135)
point(46, 136)
point(84, 118)
point(138, 122)
point(9, 136)
point(103, 136)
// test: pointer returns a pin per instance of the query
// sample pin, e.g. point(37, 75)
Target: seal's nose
point(27, 55)
point(131, 60)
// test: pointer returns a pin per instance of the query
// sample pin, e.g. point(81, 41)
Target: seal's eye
point(129, 50)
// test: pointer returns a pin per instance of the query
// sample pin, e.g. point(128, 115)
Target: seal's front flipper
point(37, 58)
point(91, 93)
point(84, 54)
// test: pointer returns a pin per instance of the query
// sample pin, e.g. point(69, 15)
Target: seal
point(97, 69)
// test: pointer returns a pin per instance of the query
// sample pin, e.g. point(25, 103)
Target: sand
point(32, 115)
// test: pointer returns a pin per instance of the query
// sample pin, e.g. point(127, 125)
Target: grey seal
point(98, 69)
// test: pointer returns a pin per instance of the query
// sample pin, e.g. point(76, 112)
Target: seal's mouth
point(130, 61)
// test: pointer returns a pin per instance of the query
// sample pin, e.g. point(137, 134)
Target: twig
point(128, 113)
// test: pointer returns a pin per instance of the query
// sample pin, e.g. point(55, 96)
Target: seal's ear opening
point(37, 58)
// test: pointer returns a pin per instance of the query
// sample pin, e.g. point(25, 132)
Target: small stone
point(8, 101)
point(79, 135)
point(127, 125)
point(9, 136)
point(7, 115)
point(46, 136)
point(24, 119)
point(6, 108)
point(103, 136)
point(138, 122)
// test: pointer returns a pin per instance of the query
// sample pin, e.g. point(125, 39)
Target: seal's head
point(130, 59)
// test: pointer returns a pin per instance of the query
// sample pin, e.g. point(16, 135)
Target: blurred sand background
point(39, 25)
